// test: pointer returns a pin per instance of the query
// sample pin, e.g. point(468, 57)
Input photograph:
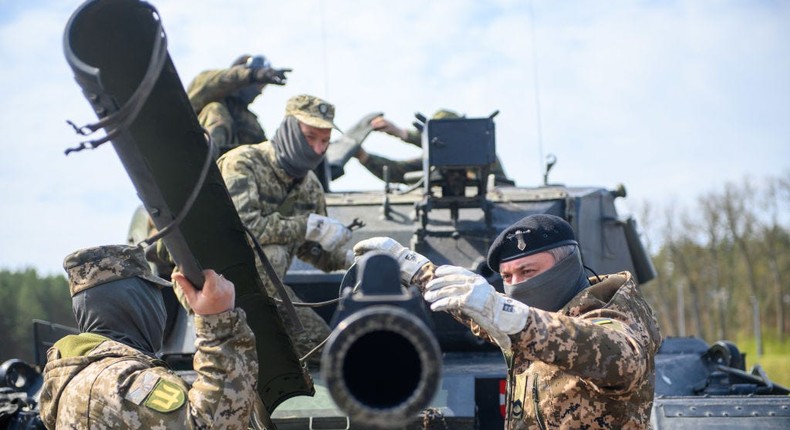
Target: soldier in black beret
point(531, 247)
point(580, 351)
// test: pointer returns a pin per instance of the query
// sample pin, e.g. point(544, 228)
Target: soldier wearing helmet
point(221, 99)
point(580, 351)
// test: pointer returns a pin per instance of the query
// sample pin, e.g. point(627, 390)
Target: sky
point(673, 99)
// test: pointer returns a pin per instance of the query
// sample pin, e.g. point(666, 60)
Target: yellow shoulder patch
point(165, 397)
point(602, 321)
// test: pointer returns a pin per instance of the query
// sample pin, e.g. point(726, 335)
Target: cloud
point(670, 98)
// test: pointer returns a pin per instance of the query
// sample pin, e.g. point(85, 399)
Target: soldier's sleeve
point(214, 85)
point(227, 367)
point(375, 164)
point(218, 122)
point(414, 137)
point(222, 395)
point(601, 347)
point(257, 209)
point(311, 252)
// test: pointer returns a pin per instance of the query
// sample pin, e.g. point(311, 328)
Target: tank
point(391, 363)
point(450, 214)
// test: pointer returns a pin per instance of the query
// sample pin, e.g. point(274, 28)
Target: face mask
point(293, 152)
point(129, 311)
point(554, 288)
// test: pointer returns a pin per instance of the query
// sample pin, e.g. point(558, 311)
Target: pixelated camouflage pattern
point(109, 386)
point(89, 267)
point(589, 366)
point(312, 111)
point(275, 207)
point(229, 122)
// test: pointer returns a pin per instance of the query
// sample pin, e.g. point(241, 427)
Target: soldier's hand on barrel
point(455, 288)
point(217, 295)
point(409, 261)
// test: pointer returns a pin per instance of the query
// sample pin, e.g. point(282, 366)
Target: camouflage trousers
point(315, 328)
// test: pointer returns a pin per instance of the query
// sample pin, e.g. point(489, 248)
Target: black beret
point(530, 235)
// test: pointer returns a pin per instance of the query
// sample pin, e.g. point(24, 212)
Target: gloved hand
point(455, 288)
point(350, 258)
point(409, 261)
point(382, 124)
point(329, 232)
point(268, 75)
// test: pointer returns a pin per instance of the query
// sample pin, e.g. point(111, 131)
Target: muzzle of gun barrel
point(382, 363)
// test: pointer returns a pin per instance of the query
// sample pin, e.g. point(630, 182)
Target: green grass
point(775, 359)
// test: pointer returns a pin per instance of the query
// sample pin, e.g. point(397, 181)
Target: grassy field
point(775, 360)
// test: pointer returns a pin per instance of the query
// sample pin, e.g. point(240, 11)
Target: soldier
point(221, 98)
point(109, 377)
point(397, 169)
point(580, 352)
point(281, 201)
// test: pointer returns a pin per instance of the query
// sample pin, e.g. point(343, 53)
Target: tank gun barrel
point(382, 363)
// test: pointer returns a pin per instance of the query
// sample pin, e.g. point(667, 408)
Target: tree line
point(723, 264)
point(25, 296)
point(722, 268)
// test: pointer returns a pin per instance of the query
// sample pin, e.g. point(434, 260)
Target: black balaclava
point(554, 288)
point(130, 311)
point(293, 152)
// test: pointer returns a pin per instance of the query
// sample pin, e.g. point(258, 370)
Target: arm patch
point(166, 397)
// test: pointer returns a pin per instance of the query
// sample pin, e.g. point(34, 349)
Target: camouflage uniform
point(91, 381)
point(227, 119)
point(275, 207)
point(397, 169)
point(590, 365)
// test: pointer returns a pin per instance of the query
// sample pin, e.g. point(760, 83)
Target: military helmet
point(445, 114)
point(252, 61)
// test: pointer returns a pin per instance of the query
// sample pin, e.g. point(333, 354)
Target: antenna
point(551, 160)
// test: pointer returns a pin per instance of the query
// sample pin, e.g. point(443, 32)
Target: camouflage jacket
point(589, 366)
point(397, 169)
point(91, 382)
point(229, 122)
point(275, 207)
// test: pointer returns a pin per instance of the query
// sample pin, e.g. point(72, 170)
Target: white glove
point(329, 232)
point(409, 261)
point(350, 258)
point(455, 288)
